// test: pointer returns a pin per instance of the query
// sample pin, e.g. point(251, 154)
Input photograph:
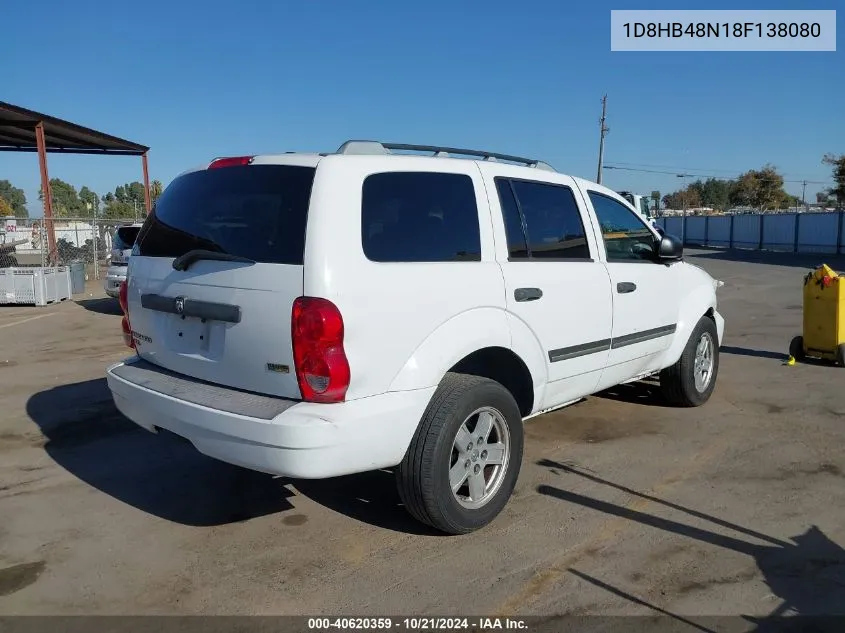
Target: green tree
point(684, 199)
point(155, 190)
point(670, 200)
point(90, 200)
point(655, 198)
point(126, 202)
point(761, 189)
point(769, 193)
point(838, 164)
point(823, 198)
point(66, 202)
point(5, 208)
point(715, 193)
point(15, 197)
point(790, 201)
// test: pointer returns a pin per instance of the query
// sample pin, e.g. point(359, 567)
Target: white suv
point(316, 315)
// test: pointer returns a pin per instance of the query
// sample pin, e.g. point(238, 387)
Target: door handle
point(624, 287)
point(527, 294)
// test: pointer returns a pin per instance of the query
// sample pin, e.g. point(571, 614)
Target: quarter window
point(420, 217)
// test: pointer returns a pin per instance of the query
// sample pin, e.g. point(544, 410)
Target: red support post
point(46, 194)
point(147, 199)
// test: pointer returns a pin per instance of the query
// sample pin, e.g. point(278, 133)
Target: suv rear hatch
point(223, 316)
point(122, 242)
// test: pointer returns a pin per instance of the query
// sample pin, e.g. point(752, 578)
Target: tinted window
point(517, 246)
point(551, 219)
point(419, 217)
point(255, 211)
point(626, 237)
point(124, 237)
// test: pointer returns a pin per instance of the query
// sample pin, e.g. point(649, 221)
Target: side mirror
point(670, 248)
point(660, 230)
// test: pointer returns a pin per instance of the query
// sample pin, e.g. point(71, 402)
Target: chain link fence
point(85, 240)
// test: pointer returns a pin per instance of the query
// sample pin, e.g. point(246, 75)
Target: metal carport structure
point(23, 130)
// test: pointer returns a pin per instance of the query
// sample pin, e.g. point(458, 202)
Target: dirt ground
point(624, 506)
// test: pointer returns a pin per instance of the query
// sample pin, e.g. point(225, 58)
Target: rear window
point(419, 217)
point(124, 237)
point(255, 211)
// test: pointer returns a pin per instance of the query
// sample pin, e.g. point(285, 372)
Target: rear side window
point(124, 237)
point(419, 217)
point(542, 221)
point(254, 211)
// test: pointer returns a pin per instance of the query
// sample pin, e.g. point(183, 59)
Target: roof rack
point(376, 148)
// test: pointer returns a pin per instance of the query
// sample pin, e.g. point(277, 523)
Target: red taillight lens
point(123, 299)
point(127, 332)
point(231, 161)
point(322, 368)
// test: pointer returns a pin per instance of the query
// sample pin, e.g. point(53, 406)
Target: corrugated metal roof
point(17, 134)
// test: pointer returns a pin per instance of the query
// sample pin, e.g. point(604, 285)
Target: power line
point(692, 170)
point(687, 173)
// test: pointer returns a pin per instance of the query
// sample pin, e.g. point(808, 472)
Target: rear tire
point(840, 355)
point(796, 348)
point(690, 382)
point(445, 452)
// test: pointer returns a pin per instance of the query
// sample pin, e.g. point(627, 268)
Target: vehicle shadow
point(808, 261)
point(165, 476)
point(104, 305)
point(756, 353)
point(646, 392)
point(807, 572)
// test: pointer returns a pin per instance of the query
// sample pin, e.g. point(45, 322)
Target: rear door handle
point(527, 294)
point(624, 287)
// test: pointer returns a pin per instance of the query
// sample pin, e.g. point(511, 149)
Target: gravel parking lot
point(624, 506)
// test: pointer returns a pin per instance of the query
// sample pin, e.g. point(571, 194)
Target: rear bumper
point(304, 441)
point(114, 276)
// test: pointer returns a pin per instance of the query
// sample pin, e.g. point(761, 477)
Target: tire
point(840, 354)
point(678, 382)
point(423, 477)
point(796, 348)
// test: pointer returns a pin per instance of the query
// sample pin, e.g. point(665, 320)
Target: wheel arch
point(698, 304)
point(484, 342)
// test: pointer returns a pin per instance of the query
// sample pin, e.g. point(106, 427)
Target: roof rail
point(376, 148)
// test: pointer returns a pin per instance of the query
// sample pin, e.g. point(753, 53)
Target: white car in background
point(318, 315)
point(122, 242)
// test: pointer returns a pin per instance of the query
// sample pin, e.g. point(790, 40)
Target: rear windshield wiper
point(183, 262)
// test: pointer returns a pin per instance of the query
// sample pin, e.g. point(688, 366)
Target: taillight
point(322, 369)
point(231, 161)
point(123, 299)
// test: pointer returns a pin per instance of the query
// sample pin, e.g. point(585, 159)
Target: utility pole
point(604, 130)
point(684, 205)
point(803, 192)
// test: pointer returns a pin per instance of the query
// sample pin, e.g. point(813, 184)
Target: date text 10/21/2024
point(417, 624)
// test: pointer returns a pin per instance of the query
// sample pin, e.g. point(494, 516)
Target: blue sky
point(197, 80)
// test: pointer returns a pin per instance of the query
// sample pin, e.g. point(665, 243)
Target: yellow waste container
point(824, 317)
